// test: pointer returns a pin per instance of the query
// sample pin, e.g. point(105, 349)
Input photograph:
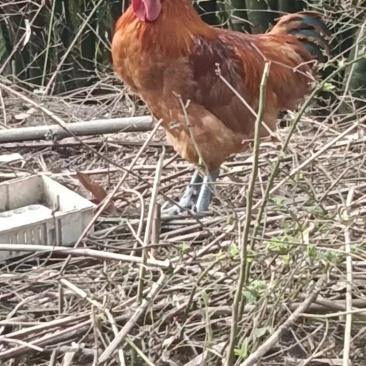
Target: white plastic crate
point(38, 210)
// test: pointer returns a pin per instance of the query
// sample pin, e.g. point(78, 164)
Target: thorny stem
point(243, 277)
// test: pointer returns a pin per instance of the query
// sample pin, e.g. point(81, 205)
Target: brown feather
point(174, 60)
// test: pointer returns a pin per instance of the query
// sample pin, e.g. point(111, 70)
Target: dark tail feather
point(314, 42)
point(308, 27)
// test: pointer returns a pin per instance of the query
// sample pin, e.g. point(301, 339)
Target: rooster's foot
point(197, 196)
point(189, 198)
point(205, 195)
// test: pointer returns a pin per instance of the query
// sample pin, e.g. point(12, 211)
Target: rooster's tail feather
point(309, 28)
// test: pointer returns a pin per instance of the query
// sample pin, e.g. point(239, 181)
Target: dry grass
point(313, 229)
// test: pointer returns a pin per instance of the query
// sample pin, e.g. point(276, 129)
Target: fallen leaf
point(97, 190)
point(21, 116)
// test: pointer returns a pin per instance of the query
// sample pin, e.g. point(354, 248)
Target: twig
point(347, 249)
point(318, 347)
point(140, 353)
point(73, 348)
point(131, 322)
point(115, 332)
point(22, 343)
point(58, 336)
point(81, 293)
point(141, 219)
point(238, 298)
point(53, 358)
point(156, 230)
point(338, 305)
point(84, 253)
point(275, 337)
point(149, 224)
point(45, 326)
point(68, 358)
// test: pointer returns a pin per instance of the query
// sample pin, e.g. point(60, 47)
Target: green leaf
point(234, 251)
point(242, 351)
point(328, 87)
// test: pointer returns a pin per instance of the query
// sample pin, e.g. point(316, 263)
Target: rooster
point(176, 64)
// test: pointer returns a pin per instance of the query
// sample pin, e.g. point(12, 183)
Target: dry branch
point(275, 337)
point(136, 316)
point(54, 338)
point(95, 127)
point(85, 253)
point(349, 285)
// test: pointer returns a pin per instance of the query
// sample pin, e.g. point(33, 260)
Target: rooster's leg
point(192, 191)
point(205, 194)
point(190, 196)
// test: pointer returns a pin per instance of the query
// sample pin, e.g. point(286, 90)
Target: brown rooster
point(168, 56)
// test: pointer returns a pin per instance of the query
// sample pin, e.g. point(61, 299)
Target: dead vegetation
point(304, 298)
point(94, 307)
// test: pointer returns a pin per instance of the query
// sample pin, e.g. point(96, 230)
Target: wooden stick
point(96, 127)
point(349, 284)
point(84, 253)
